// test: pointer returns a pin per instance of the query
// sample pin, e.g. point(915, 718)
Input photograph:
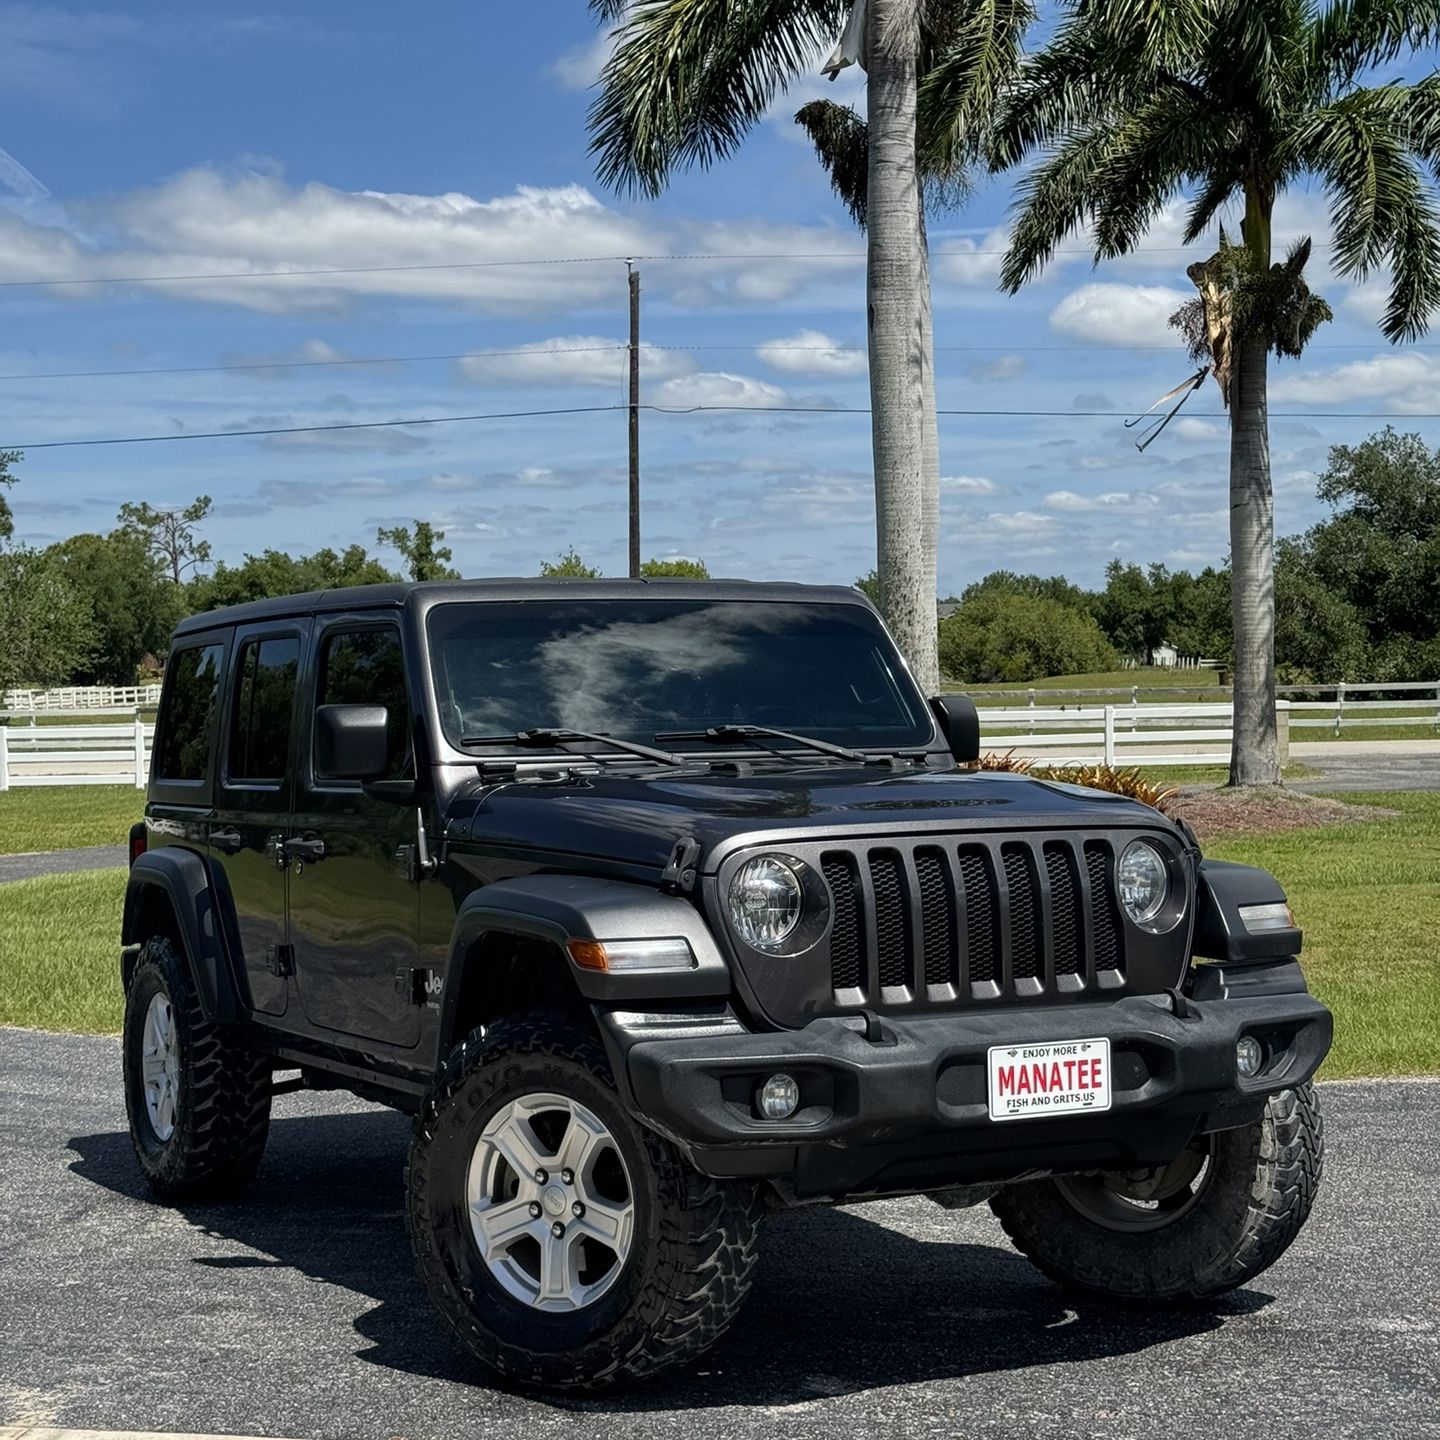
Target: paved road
point(1340, 770)
point(297, 1312)
point(61, 862)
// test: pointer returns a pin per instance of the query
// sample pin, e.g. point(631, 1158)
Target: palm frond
point(1354, 35)
point(963, 83)
point(842, 144)
point(688, 78)
point(1054, 200)
point(1055, 93)
point(1218, 186)
point(608, 11)
point(1153, 34)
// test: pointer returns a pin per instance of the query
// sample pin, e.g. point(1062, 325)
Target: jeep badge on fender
point(661, 905)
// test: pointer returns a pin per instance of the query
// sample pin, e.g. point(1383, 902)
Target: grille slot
point(1027, 959)
point(937, 909)
point(982, 920)
point(941, 917)
point(1104, 908)
point(1066, 939)
point(847, 957)
point(892, 918)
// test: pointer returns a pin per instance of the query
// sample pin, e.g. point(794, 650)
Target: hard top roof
point(357, 598)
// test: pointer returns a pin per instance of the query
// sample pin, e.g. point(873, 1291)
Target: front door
point(252, 803)
point(354, 905)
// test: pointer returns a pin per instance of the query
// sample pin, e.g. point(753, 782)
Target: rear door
point(354, 906)
point(252, 803)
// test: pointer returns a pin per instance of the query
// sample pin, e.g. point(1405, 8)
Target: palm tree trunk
point(897, 293)
point(1254, 758)
point(930, 512)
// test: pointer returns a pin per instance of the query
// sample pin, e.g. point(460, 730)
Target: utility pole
point(634, 420)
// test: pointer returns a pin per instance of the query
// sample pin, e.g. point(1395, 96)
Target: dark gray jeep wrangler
point(659, 905)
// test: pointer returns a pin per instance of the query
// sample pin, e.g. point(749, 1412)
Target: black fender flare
point(183, 877)
point(559, 908)
point(1221, 888)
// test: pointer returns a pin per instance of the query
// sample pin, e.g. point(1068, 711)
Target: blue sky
point(144, 140)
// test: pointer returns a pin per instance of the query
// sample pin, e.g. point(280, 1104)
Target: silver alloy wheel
point(552, 1209)
point(160, 1066)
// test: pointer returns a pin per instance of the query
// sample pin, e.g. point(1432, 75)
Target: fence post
point(1282, 732)
point(4, 757)
point(1030, 722)
point(1110, 735)
point(1339, 707)
point(139, 733)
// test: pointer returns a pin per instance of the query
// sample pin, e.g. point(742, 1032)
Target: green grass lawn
point(1366, 893)
point(1368, 898)
point(63, 817)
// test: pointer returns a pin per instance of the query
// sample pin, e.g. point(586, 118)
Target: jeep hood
point(638, 820)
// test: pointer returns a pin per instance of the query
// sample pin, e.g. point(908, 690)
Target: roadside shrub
point(997, 636)
point(1094, 777)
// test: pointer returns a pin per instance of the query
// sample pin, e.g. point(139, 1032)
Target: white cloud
point(718, 388)
point(1108, 314)
point(969, 261)
point(570, 360)
point(1405, 382)
point(1070, 501)
point(1019, 522)
point(968, 485)
point(1197, 432)
point(1003, 367)
point(812, 352)
point(578, 68)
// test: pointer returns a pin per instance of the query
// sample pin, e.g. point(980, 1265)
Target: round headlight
point(766, 901)
point(1144, 880)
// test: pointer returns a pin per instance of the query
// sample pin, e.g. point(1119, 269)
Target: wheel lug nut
point(534, 1209)
point(577, 1210)
point(568, 1176)
point(557, 1229)
point(541, 1176)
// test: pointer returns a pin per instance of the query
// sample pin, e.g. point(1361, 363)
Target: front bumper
point(907, 1108)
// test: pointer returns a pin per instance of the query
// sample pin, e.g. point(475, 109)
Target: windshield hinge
point(679, 872)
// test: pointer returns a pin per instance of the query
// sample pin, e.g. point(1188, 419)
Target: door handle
point(305, 848)
point(227, 839)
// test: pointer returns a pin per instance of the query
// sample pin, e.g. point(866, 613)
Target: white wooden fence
point(87, 754)
point(82, 697)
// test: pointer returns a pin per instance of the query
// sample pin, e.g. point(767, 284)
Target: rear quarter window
point(186, 738)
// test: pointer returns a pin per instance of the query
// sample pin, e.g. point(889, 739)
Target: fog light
point(1249, 1056)
point(778, 1098)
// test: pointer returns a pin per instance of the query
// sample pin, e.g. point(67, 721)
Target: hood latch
point(679, 872)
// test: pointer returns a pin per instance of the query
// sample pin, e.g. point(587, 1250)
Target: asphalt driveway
point(297, 1313)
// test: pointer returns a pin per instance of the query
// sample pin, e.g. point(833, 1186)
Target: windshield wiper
point(723, 733)
point(563, 736)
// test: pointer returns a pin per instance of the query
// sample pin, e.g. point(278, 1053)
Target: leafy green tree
point(8, 460)
point(996, 637)
point(1319, 634)
point(273, 572)
point(1136, 609)
point(133, 604)
point(676, 569)
point(1043, 587)
point(1200, 613)
point(687, 82)
point(170, 533)
point(44, 619)
point(869, 586)
point(1132, 105)
point(569, 566)
point(424, 556)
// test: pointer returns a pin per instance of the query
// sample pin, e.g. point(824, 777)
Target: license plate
point(1070, 1077)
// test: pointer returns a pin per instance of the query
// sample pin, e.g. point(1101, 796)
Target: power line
point(673, 410)
point(846, 256)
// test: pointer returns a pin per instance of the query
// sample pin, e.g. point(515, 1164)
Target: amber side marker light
point(670, 953)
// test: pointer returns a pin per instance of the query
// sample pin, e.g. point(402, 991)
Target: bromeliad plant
point(1136, 103)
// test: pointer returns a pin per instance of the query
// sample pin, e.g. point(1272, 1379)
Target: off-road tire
point(692, 1255)
point(1265, 1179)
point(223, 1111)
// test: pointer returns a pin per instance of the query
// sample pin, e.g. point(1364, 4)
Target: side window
point(365, 667)
point(187, 729)
point(264, 709)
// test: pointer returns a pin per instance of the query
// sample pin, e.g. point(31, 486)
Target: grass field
point(63, 817)
point(1366, 893)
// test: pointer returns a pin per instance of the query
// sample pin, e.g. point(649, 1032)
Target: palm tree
point(1135, 103)
point(686, 82)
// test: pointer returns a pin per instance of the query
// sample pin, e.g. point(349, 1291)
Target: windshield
point(633, 668)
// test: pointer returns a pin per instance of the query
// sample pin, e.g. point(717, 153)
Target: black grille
point(974, 918)
point(1106, 912)
point(1064, 910)
point(847, 959)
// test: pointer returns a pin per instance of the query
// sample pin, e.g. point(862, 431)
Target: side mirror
point(352, 741)
point(960, 725)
